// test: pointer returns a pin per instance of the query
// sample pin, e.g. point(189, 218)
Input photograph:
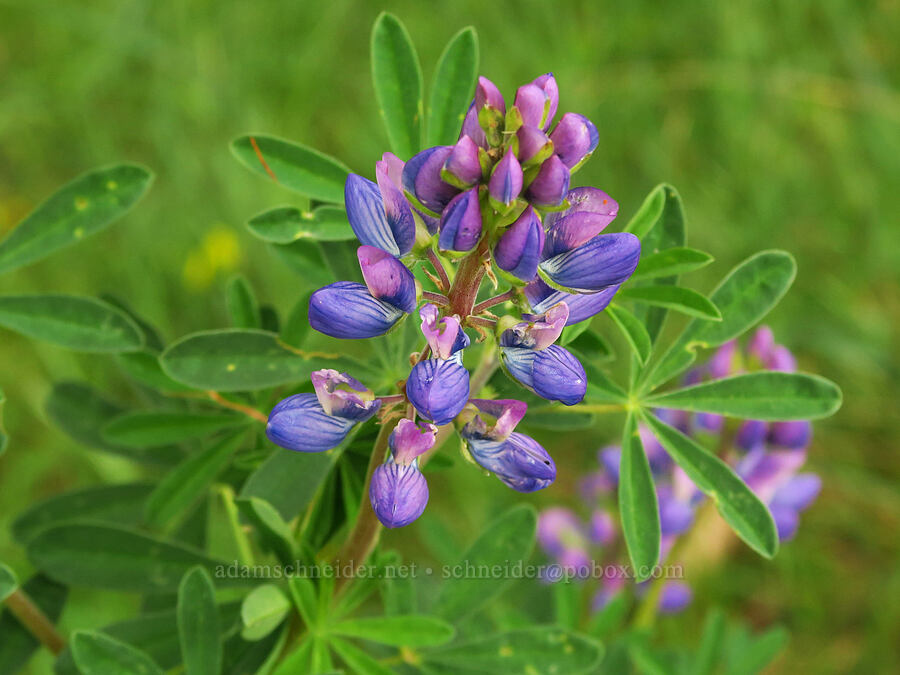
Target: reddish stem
point(439, 268)
point(496, 300)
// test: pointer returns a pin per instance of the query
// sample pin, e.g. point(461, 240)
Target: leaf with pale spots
point(79, 209)
point(287, 224)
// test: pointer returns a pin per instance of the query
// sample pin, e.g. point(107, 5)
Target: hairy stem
point(436, 298)
point(468, 280)
point(496, 300)
point(35, 621)
point(439, 268)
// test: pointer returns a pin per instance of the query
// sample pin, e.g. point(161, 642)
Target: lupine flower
point(463, 163)
point(534, 145)
point(379, 213)
point(486, 94)
point(551, 184)
point(460, 227)
point(574, 139)
point(506, 180)
point(321, 421)
point(422, 178)
point(398, 491)
point(519, 249)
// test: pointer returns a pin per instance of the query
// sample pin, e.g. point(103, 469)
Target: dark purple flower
point(379, 214)
point(534, 105)
point(539, 331)
point(751, 435)
point(549, 187)
point(422, 178)
point(590, 211)
point(486, 94)
point(461, 222)
point(519, 461)
point(398, 493)
point(438, 389)
point(606, 260)
point(341, 395)
point(506, 180)
point(548, 83)
point(534, 145)
point(552, 373)
point(574, 138)
point(387, 278)
point(444, 335)
point(542, 297)
point(408, 440)
point(796, 434)
point(463, 162)
point(519, 249)
point(346, 309)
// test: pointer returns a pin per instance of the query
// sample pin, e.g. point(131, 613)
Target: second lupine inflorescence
point(497, 204)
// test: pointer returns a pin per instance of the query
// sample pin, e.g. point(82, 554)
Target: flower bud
point(341, 395)
point(346, 309)
point(444, 335)
point(796, 434)
point(606, 260)
point(574, 138)
point(590, 211)
point(463, 164)
point(534, 146)
point(506, 180)
point(460, 227)
point(519, 462)
point(487, 93)
point(541, 297)
point(438, 389)
point(534, 105)
point(422, 178)
point(300, 423)
point(399, 493)
point(540, 331)
point(387, 278)
point(551, 184)
point(518, 250)
point(548, 83)
point(408, 440)
point(379, 213)
point(552, 373)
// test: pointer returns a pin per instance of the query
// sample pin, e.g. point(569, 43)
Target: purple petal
point(540, 331)
point(791, 434)
point(751, 435)
point(675, 597)
point(724, 360)
point(534, 104)
point(461, 222)
point(799, 492)
point(532, 142)
point(548, 83)
point(408, 440)
point(463, 161)
point(422, 178)
point(781, 359)
point(557, 529)
point(506, 180)
point(399, 494)
point(394, 166)
point(574, 138)
point(520, 462)
point(603, 528)
point(559, 376)
point(787, 520)
point(341, 395)
point(496, 419)
point(764, 472)
point(581, 306)
point(610, 458)
point(709, 422)
point(550, 185)
point(761, 344)
point(299, 423)
point(606, 260)
point(346, 309)
point(573, 230)
point(675, 516)
point(586, 200)
point(371, 224)
point(487, 93)
point(519, 249)
point(444, 335)
point(396, 208)
point(438, 389)
point(387, 278)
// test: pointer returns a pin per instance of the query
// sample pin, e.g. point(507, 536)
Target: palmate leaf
point(397, 77)
point(410, 630)
point(738, 505)
point(78, 323)
point(539, 649)
point(288, 224)
point(236, 360)
point(98, 654)
point(638, 504)
point(293, 165)
point(771, 396)
point(198, 624)
point(79, 209)
point(633, 330)
point(505, 541)
point(452, 87)
point(744, 296)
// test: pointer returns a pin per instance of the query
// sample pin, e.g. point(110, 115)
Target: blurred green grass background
point(779, 123)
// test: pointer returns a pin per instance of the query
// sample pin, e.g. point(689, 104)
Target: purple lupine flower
point(574, 139)
point(541, 297)
point(409, 440)
point(533, 104)
point(486, 94)
point(520, 462)
point(781, 359)
point(610, 459)
point(795, 434)
point(548, 84)
point(438, 389)
point(387, 278)
point(460, 227)
point(724, 361)
point(540, 331)
point(422, 178)
point(444, 335)
point(675, 597)
point(551, 184)
point(518, 250)
point(399, 493)
point(534, 145)
point(710, 423)
point(379, 213)
point(590, 211)
point(463, 163)
point(602, 528)
point(506, 180)
point(675, 516)
point(764, 471)
point(347, 310)
point(495, 419)
point(751, 435)
point(761, 345)
point(606, 260)
point(321, 421)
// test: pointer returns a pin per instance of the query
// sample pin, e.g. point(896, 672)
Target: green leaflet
point(242, 303)
point(3, 437)
point(737, 503)
point(671, 262)
point(397, 77)
point(79, 323)
point(79, 209)
point(762, 395)
point(98, 654)
point(263, 611)
point(452, 87)
point(678, 298)
point(633, 330)
point(638, 505)
point(292, 165)
point(8, 582)
point(410, 630)
point(198, 624)
point(148, 429)
point(288, 224)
